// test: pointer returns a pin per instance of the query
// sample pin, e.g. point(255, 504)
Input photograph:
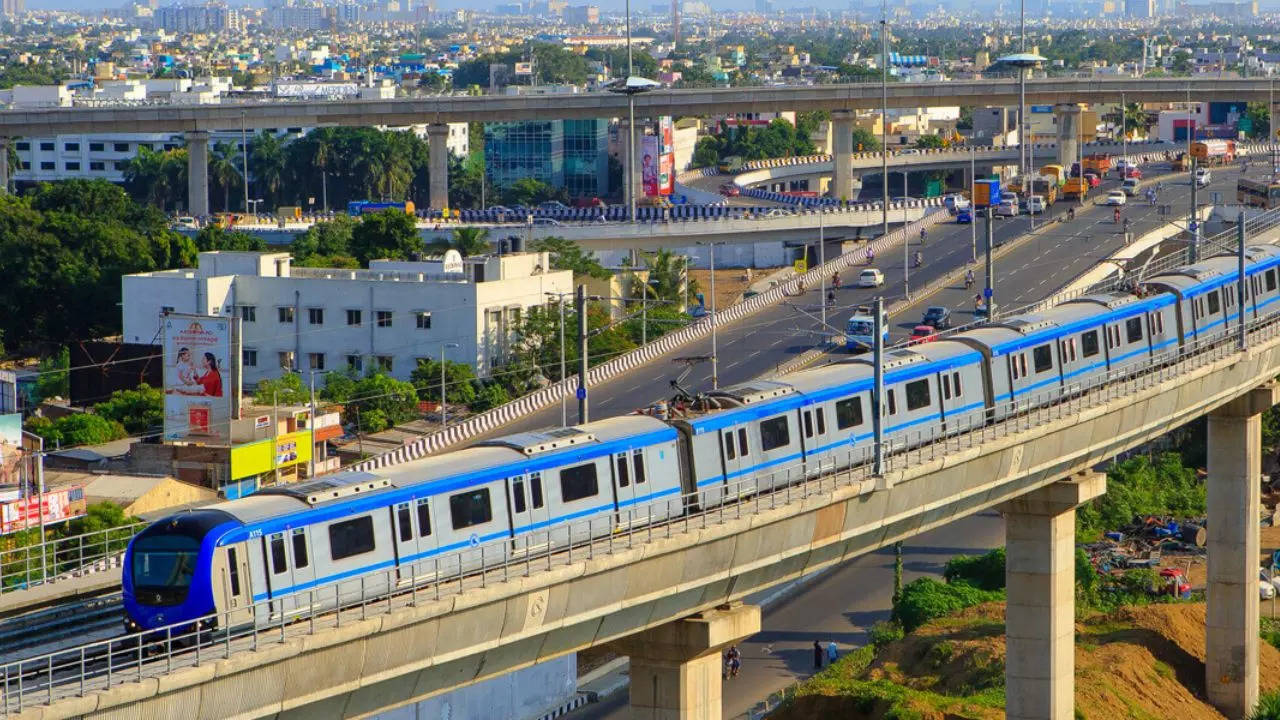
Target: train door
point(623, 488)
point(404, 539)
point(528, 513)
point(808, 444)
point(424, 524)
point(734, 453)
point(233, 588)
point(302, 570)
point(279, 578)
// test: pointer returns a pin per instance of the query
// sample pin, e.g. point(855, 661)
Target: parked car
point(545, 221)
point(922, 334)
point(1116, 197)
point(937, 316)
point(552, 205)
point(730, 190)
point(186, 222)
point(1203, 177)
point(1130, 186)
point(1007, 208)
point(964, 217)
point(870, 278)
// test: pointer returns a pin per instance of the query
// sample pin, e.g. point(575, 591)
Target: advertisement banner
point(11, 452)
point(667, 156)
point(524, 68)
point(58, 505)
point(199, 378)
point(649, 165)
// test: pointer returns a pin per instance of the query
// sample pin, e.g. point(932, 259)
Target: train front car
point(168, 570)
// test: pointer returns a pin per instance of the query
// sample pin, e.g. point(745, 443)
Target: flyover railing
point(52, 560)
point(47, 678)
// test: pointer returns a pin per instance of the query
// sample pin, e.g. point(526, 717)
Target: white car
point(1007, 208)
point(871, 278)
point(1203, 177)
point(1130, 186)
point(186, 222)
point(1116, 197)
point(955, 203)
point(1036, 204)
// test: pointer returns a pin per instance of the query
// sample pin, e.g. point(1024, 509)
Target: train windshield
point(163, 566)
point(861, 327)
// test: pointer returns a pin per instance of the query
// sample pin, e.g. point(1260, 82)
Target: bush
point(1140, 486)
point(884, 632)
point(985, 572)
point(140, 410)
point(490, 396)
point(1268, 707)
point(926, 599)
point(75, 430)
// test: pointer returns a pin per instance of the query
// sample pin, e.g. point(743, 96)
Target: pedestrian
point(817, 655)
point(832, 652)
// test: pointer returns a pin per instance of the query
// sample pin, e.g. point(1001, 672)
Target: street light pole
point(715, 355)
point(884, 114)
point(444, 413)
point(580, 304)
point(244, 155)
point(564, 407)
point(822, 260)
point(631, 151)
point(973, 225)
point(906, 241)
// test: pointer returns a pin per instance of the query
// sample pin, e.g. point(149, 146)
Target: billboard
point(12, 454)
point(524, 68)
point(200, 378)
point(649, 164)
point(57, 506)
point(666, 156)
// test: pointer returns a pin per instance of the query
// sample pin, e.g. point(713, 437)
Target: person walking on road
point(817, 655)
point(833, 652)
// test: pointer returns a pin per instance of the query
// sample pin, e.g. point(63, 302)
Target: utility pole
point(1193, 222)
point(564, 408)
point(715, 353)
point(1241, 303)
point(580, 304)
point(884, 113)
point(973, 224)
point(906, 241)
point(877, 362)
point(312, 424)
point(989, 291)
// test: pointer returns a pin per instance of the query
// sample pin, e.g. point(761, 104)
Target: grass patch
point(1163, 670)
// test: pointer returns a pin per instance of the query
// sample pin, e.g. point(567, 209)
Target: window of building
point(97, 166)
point(315, 316)
point(72, 166)
point(578, 482)
point(774, 433)
point(120, 147)
point(355, 362)
point(1042, 358)
point(71, 147)
point(285, 315)
point(249, 313)
point(46, 165)
point(120, 165)
point(300, 559)
point(424, 517)
point(250, 357)
point(25, 165)
point(23, 146)
point(848, 413)
point(424, 320)
point(96, 147)
point(917, 395)
point(315, 361)
point(286, 359)
point(470, 508)
point(383, 318)
point(1089, 343)
point(385, 362)
point(353, 317)
point(351, 537)
point(46, 146)
point(1133, 329)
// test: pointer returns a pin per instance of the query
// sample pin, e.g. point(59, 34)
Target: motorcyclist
point(924, 235)
point(831, 298)
point(919, 258)
point(1071, 213)
point(871, 256)
point(1126, 228)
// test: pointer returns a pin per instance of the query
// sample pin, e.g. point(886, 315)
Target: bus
point(1258, 193)
point(361, 207)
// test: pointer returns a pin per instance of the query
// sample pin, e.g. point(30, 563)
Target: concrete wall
point(520, 695)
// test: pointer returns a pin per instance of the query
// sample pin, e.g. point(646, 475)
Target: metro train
point(294, 548)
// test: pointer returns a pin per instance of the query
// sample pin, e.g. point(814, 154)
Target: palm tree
point(266, 156)
point(146, 179)
point(224, 170)
point(466, 240)
point(1134, 117)
point(666, 271)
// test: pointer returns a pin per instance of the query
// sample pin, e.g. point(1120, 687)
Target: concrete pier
point(197, 172)
point(1068, 115)
point(676, 668)
point(842, 153)
point(1040, 532)
point(438, 164)
point(631, 178)
point(1231, 613)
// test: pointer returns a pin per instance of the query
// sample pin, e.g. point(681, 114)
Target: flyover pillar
point(1068, 115)
point(1040, 546)
point(842, 154)
point(676, 667)
point(197, 172)
point(1231, 612)
point(438, 165)
point(631, 178)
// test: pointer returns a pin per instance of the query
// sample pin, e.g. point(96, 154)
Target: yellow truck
point(1075, 189)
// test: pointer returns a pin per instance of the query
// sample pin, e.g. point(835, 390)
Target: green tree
point(930, 142)
point(864, 140)
point(140, 410)
point(382, 400)
point(215, 237)
point(325, 244)
point(1260, 121)
point(1139, 487)
point(707, 152)
point(668, 275)
point(339, 386)
point(386, 234)
point(157, 177)
point(926, 599)
point(529, 191)
point(985, 572)
point(75, 430)
point(224, 171)
point(459, 381)
point(466, 240)
point(266, 167)
point(98, 517)
point(566, 255)
point(490, 396)
point(288, 389)
point(55, 376)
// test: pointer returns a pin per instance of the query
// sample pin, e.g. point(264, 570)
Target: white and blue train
point(263, 558)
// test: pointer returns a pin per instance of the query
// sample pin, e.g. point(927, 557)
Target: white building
point(388, 316)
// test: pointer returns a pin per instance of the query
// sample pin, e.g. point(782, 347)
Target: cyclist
point(831, 298)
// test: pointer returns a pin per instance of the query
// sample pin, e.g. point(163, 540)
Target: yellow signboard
point(266, 455)
point(802, 267)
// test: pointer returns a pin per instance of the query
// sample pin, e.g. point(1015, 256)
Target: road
point(757, 345)
point(839, 606)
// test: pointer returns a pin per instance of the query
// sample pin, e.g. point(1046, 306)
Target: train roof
point(1191, 280)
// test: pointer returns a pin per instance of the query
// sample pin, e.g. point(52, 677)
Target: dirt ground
point(729, 283)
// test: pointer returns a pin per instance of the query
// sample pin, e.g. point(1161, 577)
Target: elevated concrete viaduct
point(629, 587)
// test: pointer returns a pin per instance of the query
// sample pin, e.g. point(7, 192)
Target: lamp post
point(884, 114)
point(822, 260)
point(715, 356)
point(564, 408)
point(444, 417)
point(244, 155)
point(1023, 61)
point(973, 221)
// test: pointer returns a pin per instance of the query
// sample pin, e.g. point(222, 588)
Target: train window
point(351, 537)
point(822, 421)
point(279, 563)
point(1089, 343)
point(1160, 323)
point(848, 413)
point(893, 404)
point(1022, 364)
point(742, 441)
point(517, 495)
point(917, 394)
point(470, 508)
point(1271, 280)
point(424, 517)
point(1042, 358)
point(233, 571)
point(1214, 304)
point(774, 433)
point(946, 387)
point(535, 490)
point(808, 424)
point(729, 451)
point(299, 541)
point(637, 458)
point(1013, 366)
point(578, 482)
point(955, 381)
point(624, 472)
point(1133, 329)
point(404, 520)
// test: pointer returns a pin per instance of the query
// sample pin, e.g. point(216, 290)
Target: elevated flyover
point(635, 584)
